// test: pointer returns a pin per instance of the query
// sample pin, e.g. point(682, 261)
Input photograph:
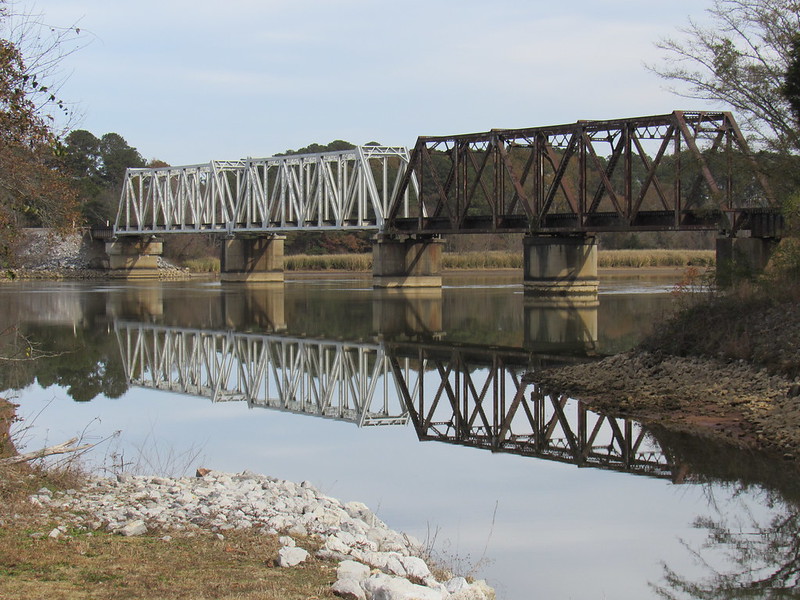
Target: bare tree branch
point(64, 448)
point(739, 59)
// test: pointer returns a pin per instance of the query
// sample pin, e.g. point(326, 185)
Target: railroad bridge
point(558, 185)
point(476, 397)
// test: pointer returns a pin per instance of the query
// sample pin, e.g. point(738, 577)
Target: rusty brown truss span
point(496, 406)
point(679, 171)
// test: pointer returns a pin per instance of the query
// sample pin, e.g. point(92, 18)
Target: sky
point(188, 81)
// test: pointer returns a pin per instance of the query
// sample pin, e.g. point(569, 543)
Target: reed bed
point(482, 260)
point(655, 258)
point(479, 260)
point(208, 264)
point(328, 262)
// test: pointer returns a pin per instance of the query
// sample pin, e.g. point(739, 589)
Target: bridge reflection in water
point(405, 371)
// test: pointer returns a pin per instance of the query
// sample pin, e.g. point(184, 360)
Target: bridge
point(558, 185)
point(462, 395)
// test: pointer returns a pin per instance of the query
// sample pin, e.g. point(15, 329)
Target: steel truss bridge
point(474, 397)
point(314, 377)
point(679, 171)
point(343, 190)
point(490, 401)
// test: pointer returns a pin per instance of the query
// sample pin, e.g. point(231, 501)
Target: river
point(324, 379)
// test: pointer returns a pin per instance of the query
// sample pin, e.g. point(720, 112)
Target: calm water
point(326, 380)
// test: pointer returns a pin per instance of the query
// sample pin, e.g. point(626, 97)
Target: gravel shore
point(374, 561)
point(729, 399)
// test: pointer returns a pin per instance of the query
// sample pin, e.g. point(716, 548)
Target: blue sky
point(188, 81)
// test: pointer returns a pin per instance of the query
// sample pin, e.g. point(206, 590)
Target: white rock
point(468, 593)
point(415, 567)
point(285, 540)
point(395, 566)
point(377, 560)
point(334, 544)
point(350, 569)
point(131, 528)
point(456, 584)
point(290, 556)
point(55, 534)
point(349, 589)
point(395, 588)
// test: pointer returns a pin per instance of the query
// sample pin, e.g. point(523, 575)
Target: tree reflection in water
point(761, 554)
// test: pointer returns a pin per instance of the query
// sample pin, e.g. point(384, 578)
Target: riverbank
point(727, 367)
point(46, 255)
point(221, 535)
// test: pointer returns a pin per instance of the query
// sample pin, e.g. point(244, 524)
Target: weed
point(208, 264)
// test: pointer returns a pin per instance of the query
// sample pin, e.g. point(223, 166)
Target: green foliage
point(86, 362)
point(791, 80)
point(98, 167)
point(315, 148)
point(33, 188)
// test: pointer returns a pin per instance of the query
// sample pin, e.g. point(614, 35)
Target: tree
point(761, 555)
point(33, 187)
point(117, 156)
point(98, 166)
point(740, 60)
point(791, 80)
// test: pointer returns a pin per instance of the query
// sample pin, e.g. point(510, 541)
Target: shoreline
point(85, 518)
point(177, 273)
point(729, 400)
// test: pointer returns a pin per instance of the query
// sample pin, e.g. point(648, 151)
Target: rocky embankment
point(725, 398)
point(44, 254)
point(375, 562)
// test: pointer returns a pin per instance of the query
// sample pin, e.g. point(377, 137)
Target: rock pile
point(376, 562)
point(45, 254)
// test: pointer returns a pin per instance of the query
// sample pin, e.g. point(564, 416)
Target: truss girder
point(497, 407)
point(683, 170)
point(347, 382)
point(343, 190)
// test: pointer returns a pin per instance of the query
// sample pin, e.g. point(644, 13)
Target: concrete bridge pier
point(557, 324)
point(134, 257)
point(252, 259)
point(742, 257)
point(412, 262)
point(255, 307)
point(560, 265)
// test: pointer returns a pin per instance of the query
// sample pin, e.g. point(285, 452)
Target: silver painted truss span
point(347, 382)
point(343, 190)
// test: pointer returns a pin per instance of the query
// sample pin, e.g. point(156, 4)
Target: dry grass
point(478, 260)
point(208, 264)
point(102, 565)
point(655, 258)
point(482, 260)
point(328, 262)
point(108, 566)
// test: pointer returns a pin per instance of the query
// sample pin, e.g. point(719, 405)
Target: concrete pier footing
point(406, 263)
point(560, 266)
point(134, 258)
point(561, 323)
point(253, 259)
point(742, 257)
